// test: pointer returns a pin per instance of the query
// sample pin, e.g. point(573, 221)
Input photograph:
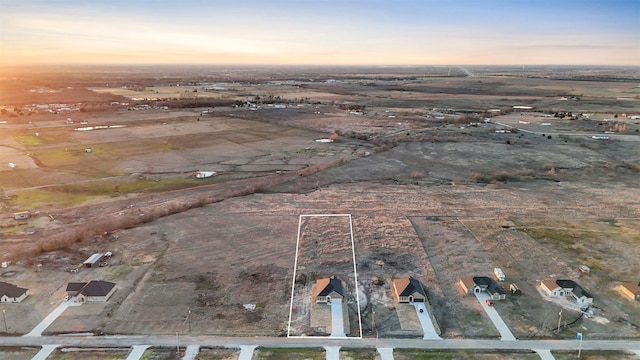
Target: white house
point(564, 289)
point(10, 293)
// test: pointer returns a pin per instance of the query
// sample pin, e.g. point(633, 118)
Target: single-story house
point(477, 284)
point(93, 260)
point(10, 293)
point(408, 290)
point(630, 290)
point(566, 288)
point(92, 291)
point(327, 289)
point(22, 215)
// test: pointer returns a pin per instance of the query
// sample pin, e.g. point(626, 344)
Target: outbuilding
point(93, 260)
point(22, 215)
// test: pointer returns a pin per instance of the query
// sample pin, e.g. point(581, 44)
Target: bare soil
point(428, 198)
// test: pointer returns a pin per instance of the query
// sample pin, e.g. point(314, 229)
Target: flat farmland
point(434, 193)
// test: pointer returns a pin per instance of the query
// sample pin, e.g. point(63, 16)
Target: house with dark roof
point(328, 289)
point(92, 291)
point(630, 290)
point(478, 284)
point(566, 288)
point(10, 293)
point(408, 290)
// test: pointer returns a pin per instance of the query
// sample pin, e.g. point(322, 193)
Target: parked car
point(66, 298)
point(489, 302)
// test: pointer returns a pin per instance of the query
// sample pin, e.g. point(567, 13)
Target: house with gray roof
point(10, 293)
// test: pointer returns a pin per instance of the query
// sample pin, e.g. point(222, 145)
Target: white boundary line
point(355, 275)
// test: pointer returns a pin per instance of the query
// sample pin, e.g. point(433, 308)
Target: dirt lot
point(428, 199)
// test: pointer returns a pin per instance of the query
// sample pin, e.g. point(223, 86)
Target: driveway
point(333, 352)
point(337, 320)
point(137, 351)
point(545, 354)
point(505, 333)
point(49, 319)
point(44, 353)
point(425, 321)
point(386, 353)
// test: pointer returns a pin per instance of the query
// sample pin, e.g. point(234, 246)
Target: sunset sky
point(320, 32)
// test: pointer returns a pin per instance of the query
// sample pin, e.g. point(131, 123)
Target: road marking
point(246, 352)
point(45, 352)
point(137, 352)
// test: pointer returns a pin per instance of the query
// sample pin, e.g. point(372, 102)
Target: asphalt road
point(236, 342)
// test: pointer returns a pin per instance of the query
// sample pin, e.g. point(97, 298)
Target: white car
point(66, 298)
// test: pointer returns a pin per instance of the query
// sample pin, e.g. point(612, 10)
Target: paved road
point(237, 342)
point(505, 333)
point(337, 319)
point(425, 321)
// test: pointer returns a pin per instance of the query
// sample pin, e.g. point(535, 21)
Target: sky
point(320, 32)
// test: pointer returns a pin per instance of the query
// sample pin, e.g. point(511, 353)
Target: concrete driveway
point(505, 333)
point(425, 321)
point(337, 320)
point(49, 319)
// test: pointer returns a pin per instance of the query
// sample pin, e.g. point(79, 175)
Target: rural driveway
point(44, 352)
point(425, 321)
point(386, 353)
point(505, 333)
point(337, 320)
point(545, 354)
point(246, 352)
point(191, 352)
point(333, 352)
point(49, 319)
point(137, 352)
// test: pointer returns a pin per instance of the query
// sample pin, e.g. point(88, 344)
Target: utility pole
point(4, 317)
point(559, 320)
point(189, 319)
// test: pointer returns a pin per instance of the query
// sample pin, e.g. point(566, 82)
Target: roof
point(97, 288)
point(326, 286)
point(11, 290)
point(408, 286)
point(632, 287)
point(550, 284)
point(468, 282)
point(94, 258)
point(75, 286)
point(492, 286)
point(578, 291)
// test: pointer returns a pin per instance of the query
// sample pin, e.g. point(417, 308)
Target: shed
point(631, 290)
point(22, 215)
point(515, 290)
point(93, 260)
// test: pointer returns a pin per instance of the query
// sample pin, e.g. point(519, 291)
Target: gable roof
point(11, 290)
point(550, 284)
point(408, 286)
point(492, 286)
point(97, 288)
point(632, 287)
point(91, 288)
point(577, 290)
point(325, 286)
point(75, 286)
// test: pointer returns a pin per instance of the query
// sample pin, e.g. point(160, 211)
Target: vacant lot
point(434, 193)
